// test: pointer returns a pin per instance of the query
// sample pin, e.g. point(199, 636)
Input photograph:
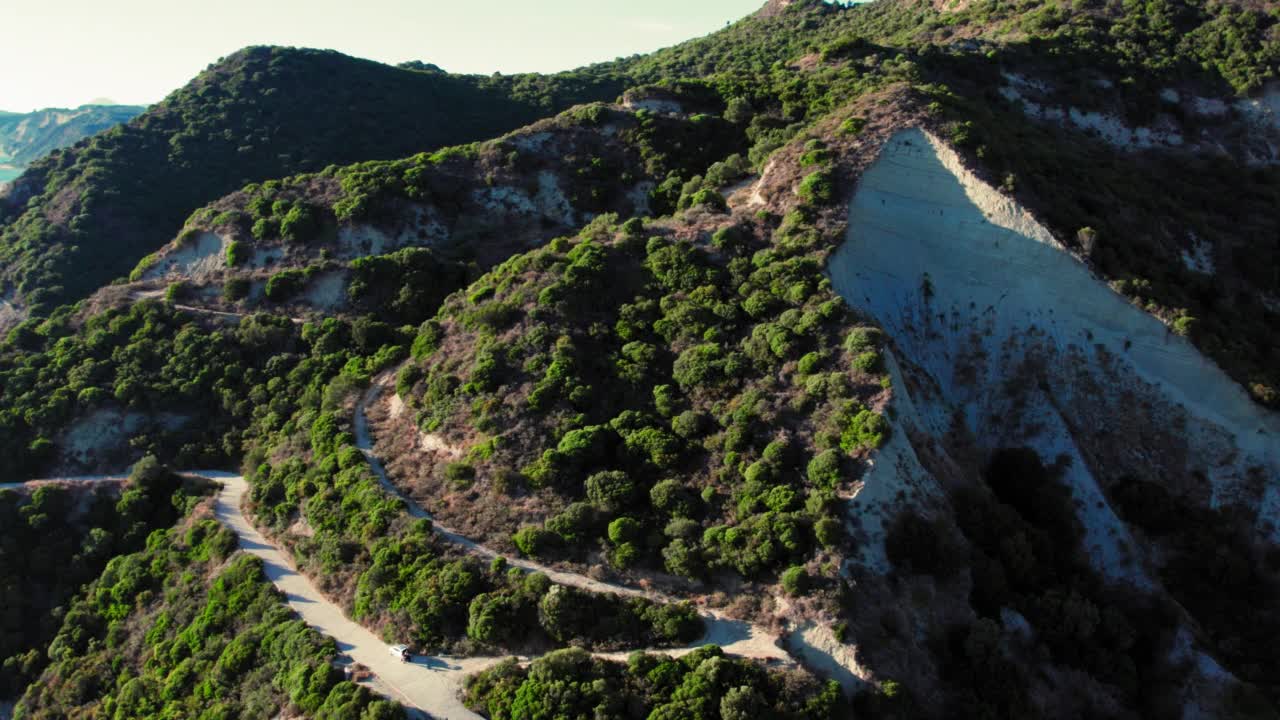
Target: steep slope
point(59, 537)
point(27, 137)
point(1006, 340)
point(84, 216)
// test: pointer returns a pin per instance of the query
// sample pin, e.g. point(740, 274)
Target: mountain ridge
point(871, 325)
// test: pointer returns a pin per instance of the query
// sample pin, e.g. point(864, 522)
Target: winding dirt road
point(734, 636)
point(428, 685)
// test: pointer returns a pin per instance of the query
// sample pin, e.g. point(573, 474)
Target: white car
point(401, 652)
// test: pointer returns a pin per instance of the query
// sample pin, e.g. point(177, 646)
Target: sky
point(68, 52)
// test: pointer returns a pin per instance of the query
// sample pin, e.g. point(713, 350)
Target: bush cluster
point(702, 684)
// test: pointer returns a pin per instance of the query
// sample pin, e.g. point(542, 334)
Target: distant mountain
point(87, 214)
point(27, 137)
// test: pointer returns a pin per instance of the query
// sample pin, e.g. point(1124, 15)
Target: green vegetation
point(681, 393)
point(260, 113)
point(694, 460)
point(49, 549)
point(146, 359)
point(237, 254)
point(392, 571)
point(702, 684)
point(189, 628)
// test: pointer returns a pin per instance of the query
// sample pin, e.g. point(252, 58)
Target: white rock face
point(424, 228)
point(1109, 128)
point(326, 291)
point(655, 105)
point(1012, 333)
point(195, 259)
point(1265, 108)
point(1000, 329)
point(895, 473)
point(819, 649)
point(551, 201)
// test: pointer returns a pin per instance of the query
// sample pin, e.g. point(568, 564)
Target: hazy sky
point(60, 53)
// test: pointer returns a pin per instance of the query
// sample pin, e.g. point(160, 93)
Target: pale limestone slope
point(997, 325)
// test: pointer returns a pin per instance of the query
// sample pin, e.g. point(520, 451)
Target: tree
point(741, 703)
point(610, 490)
point(683, 558)
point(623, 530)
point(828, 531)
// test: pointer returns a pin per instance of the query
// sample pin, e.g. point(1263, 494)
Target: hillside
point(27, 137)
point(347, 238)
point(216, 637)
point(867, 338)
point(84, 216)
point(59, 537)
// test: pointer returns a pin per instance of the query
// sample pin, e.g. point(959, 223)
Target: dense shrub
point(705, 683)
point(181, 629)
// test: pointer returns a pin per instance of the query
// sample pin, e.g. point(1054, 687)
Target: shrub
point(572, 524)
point(671, 497)
point(688, 424)
point(868, 362)
point(490, 617)
point(866, 429)
point(235, 288)
point(658, 446)
point(828, 531)
point(853, 126)
point(264, 229)
point(778, 451)
point(623, 556)
point(298, 224)
point(459, 474)
point(682, 558)
point(665, 399)
point(610, 490)
point(624, 530)
point(825, 469)
point(427, 341)
point(816, 156)
point(795, 580)
point(532, 540)
point(863, 339)
point(708, 198)
point(698, 366)
point(175, 292)
point(285, 284)
point(818, 188)
point(237, 254)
